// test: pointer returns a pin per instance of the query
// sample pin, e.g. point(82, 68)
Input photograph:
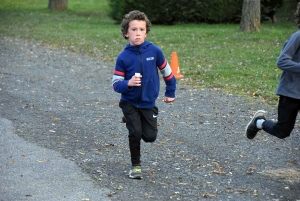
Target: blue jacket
point(289, 62)
point(146, 59)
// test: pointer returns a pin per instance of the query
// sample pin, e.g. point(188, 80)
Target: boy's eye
point(137, 29)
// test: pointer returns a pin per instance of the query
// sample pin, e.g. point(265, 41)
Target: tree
point(250, 20)
point(58, 4)
point(269, 9)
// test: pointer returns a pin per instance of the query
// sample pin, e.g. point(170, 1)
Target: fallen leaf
point(41, 161)
point(220, 171)
point(230, 191)
point(240, 191)
point(107, 145)
point(207, 195)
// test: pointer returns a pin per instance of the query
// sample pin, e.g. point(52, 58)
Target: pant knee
point(149, 139)
point(282, 134)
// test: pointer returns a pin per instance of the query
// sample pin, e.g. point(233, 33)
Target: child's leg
point(149, 124)
point(287, 114)
point(133, 124)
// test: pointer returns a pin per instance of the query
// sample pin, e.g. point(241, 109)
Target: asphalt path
point(30, 172)
point(62, 137)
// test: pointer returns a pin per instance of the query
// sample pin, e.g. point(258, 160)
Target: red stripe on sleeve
point(169, 77)
point(163, 65)
point(119, 73)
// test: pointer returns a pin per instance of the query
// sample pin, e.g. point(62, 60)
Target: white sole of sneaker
point(131, 177)
point(254, 116)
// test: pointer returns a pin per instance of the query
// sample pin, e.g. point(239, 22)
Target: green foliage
point(220, 11)
point(117, 9)
point(187, 11)
point(272, 4)
point(269, 6)
point(181, 11)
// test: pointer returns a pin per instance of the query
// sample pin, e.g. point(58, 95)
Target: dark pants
point(287, 113)
point(141, 124)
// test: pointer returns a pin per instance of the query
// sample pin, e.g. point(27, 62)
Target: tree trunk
point(250, 20)
point(58, 4)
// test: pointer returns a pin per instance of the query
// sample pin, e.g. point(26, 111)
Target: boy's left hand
point(169, 100)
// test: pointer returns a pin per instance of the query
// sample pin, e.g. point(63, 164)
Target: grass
point(218, 56)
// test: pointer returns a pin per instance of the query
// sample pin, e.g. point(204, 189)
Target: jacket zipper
point(141, 70)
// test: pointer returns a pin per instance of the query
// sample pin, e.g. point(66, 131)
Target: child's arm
point(289, 58)
point(120, 85)
point(167, 75)
point(119, 82)
point(170, 81)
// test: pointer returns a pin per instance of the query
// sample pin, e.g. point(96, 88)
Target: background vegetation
point(192, 11)
point(210, 55)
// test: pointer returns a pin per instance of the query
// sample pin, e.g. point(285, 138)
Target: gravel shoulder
point(64, 102)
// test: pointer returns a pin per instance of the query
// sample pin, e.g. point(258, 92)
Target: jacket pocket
point(150, 91)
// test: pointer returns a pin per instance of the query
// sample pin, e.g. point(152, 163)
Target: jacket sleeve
point(120, 85)
point(289, 57)
point(167, 75)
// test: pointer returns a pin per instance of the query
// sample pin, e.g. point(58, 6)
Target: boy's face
point(136, 32)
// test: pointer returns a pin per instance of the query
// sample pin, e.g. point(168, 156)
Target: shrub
point(186, 11)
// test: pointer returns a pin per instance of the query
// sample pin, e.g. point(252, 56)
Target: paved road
point(30, 172)
point(62, 138)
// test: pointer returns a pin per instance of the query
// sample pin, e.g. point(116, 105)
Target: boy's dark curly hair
point(134, 15)
point(297, 15)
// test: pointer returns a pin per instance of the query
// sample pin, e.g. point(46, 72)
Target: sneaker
point(135, 172)
point(251, 129)
point(123, 119)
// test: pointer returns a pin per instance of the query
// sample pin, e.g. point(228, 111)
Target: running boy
point(136, 78)
point(288, 90)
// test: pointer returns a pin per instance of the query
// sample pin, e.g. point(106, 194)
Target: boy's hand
point(135, 81)
point(169, 100)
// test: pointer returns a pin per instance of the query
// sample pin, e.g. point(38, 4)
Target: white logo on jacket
point(150, 58)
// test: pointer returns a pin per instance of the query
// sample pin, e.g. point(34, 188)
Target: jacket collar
point(142, 48)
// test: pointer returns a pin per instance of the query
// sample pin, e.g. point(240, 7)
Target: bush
point(186, 11)
point(117, 9)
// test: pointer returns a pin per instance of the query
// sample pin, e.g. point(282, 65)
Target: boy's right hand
point(135, 81)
